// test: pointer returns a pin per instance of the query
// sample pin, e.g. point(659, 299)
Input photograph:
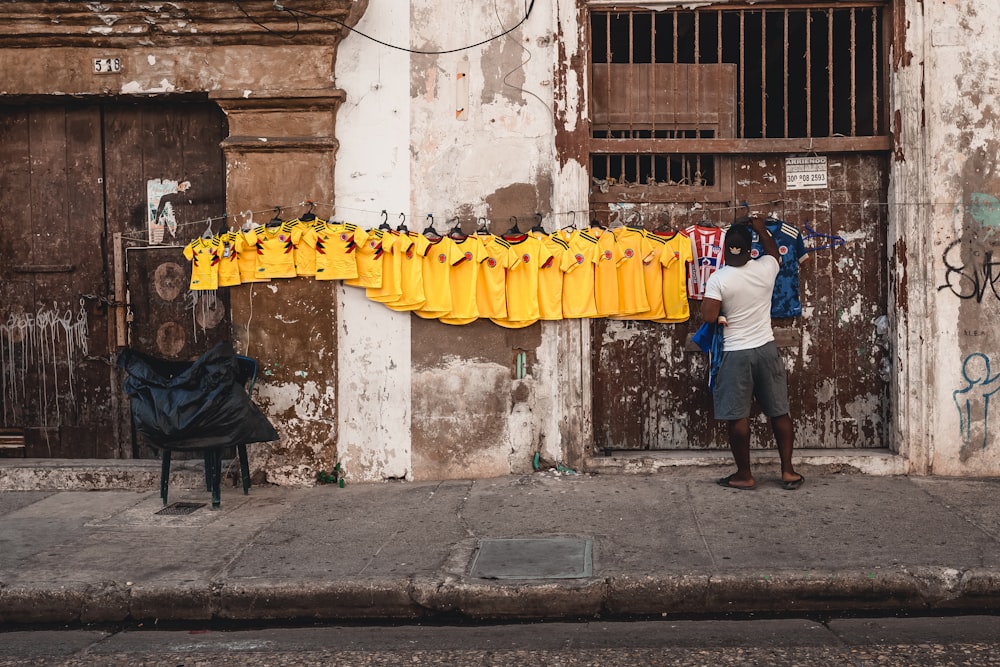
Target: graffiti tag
point(970, 280)
point(973, 401)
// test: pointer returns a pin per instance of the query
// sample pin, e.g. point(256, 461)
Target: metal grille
point(180, 508)
point(801, 71)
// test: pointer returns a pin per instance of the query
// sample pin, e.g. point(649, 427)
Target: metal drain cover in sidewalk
point(174, 509)
point(542, 558)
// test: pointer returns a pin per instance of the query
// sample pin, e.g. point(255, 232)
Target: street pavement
point(542, 545)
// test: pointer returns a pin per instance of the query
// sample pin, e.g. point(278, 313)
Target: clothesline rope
point(583, 216)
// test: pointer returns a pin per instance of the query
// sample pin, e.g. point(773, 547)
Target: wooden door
point(167, 158)
point(75, 174)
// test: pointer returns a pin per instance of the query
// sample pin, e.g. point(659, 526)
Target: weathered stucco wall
point(281, 104)
point(962, 128)
point(469, 134)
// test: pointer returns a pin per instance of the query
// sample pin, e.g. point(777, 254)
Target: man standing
point(738, 297)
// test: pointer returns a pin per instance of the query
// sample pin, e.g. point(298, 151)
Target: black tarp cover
point(188, 405)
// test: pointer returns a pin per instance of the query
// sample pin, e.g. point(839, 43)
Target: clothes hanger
point(572, 222)
point(308, 216)
point(538, 224)
point(276, 220)
point(483, 227)
point(456, 232)
point(429, 230)
point(402, 224)
point(208, 233)
point(514, 232)
point(247, 221)
point(385, 221)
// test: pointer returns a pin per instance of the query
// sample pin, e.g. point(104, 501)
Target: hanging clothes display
point(791, 248)
point(393, 245)
point(633, 250)
point(491, 283)
point(676, 260)
point(464, 277)
point(336, 243)
point(247, 257)
point(203, 253)
point(550, 276)
point(579, 275)
point(275, 244)
point(229, 266)
point(625, 272)
point(411, 274)
point(369, 259)
point(606, 273)
point(522, 282)
point(707, 250)
point(305, 247)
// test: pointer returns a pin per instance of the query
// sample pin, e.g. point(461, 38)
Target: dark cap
point(739, 239)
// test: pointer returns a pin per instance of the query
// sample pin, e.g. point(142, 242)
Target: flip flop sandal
point(794, 484)
point(727, 482)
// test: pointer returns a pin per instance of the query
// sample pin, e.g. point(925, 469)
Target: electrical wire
point(299, 12)
point(273, 32)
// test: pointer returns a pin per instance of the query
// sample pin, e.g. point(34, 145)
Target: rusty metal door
point(75, 183)
point(649, 382)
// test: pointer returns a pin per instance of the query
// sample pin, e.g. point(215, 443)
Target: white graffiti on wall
point(45, 345)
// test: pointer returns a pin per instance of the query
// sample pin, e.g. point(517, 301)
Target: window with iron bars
point(673, 90)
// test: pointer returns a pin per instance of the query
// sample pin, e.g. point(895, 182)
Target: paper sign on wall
point(805, 173)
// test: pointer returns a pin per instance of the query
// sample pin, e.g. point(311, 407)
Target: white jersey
point(745, 293)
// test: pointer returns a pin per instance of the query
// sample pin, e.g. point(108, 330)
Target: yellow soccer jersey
point(633, 250)
point(522, 282)
point(276, 249)
point(229, 266)
point(550, 276)
point(336, 245)
point(305, 247)
point(439, 257)
point(676, 257)
point(464, 279)
point(369, 259)
point(579, 267)
point(491, 285)
point(246, 257)
point(411, 272)
point(394, 245)
point(606, 274)
point(204, 257)
point(652, 275)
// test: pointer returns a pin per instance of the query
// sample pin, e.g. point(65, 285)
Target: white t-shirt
point(745, 293)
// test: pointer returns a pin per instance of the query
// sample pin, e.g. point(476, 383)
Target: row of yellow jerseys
point(514, 280)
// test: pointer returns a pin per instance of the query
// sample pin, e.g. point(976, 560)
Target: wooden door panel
point(650, 389)
point(56, 374)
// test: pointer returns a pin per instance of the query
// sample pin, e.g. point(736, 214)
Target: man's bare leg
point(784, 435)
point(738, 431)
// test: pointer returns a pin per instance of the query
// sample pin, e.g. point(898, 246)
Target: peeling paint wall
point(960, 208)
point(468, 135)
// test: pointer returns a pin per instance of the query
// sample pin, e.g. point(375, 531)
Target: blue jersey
point(791, 248)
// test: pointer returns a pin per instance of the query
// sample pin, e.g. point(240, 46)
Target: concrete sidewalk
point(534, 546)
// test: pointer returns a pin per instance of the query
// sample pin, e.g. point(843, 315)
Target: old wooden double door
point(82, 184)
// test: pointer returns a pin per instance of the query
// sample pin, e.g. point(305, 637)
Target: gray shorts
point(747, 374)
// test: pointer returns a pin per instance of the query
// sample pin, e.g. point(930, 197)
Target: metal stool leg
point(241, 450)
point(164, 475)
point(216, 455)
point(208, 469)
